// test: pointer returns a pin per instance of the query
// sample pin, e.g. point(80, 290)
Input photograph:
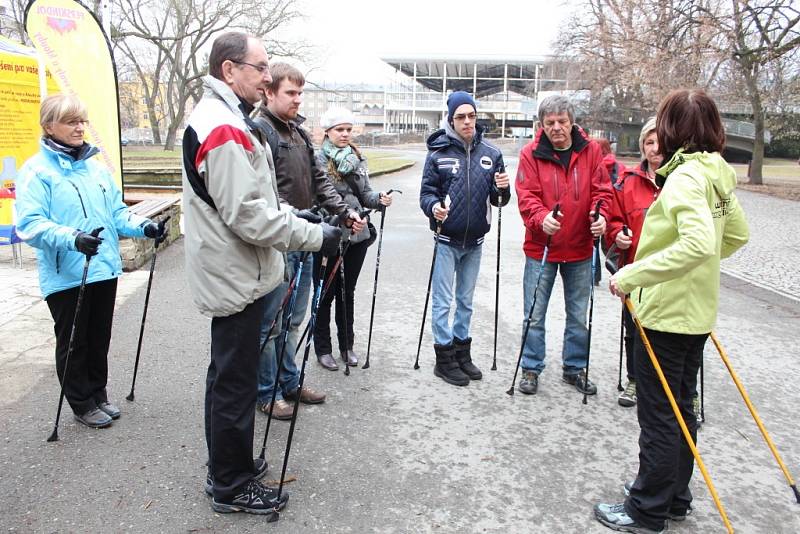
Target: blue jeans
point(577, 279)
point(464, 264)
point(290, 374)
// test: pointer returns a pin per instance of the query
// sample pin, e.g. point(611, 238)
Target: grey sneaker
point(581, 383)
point(94, 418)
point(529, 383)
point(674, 513)
point(615, 517)
point(112, 411)
point(628, 397)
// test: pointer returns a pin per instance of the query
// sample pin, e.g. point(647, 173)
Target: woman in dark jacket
point(347, 169)
point(62, 195)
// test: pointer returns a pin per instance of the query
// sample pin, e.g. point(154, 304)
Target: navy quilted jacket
point(462, 177)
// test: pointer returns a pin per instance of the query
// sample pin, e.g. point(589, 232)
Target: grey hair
point(556, 104)
point(648, 128)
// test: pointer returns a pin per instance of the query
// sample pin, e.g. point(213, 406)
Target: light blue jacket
point(58, 196)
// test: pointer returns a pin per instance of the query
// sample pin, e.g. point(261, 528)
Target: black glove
point(307, 215)
point(157, 231)
point(331, 237)
point(87, 243)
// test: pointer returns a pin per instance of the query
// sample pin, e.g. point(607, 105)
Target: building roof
point(483, 73)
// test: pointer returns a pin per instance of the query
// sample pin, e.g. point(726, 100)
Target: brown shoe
point(282, 410)
point(307, 396)
point(327, 361)
point(349, 357)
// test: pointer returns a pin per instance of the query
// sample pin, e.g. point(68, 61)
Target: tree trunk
point(757, 163)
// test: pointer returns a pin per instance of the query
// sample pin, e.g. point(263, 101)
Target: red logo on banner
point(61, 25)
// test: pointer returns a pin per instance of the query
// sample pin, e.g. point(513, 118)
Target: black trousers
point(87, 370)
point(353, 261)
point(631, 332)
point(231, 386)
point(665, 460)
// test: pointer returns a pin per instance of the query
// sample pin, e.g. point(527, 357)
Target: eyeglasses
point(76, 123)
point(461, 116)
point(260, 68)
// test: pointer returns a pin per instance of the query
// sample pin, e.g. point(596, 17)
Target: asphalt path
point(396, 449)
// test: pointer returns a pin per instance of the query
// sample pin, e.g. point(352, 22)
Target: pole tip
point(494, 367)
point(346, 370)
point(416, 366)
point(584, 399)
point(366, 365)
point(273, 517)
point(54, 437)
point(130, 397)
point(796, 494)
point(510, 391)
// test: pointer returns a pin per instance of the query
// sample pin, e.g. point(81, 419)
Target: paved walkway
point(393, 449)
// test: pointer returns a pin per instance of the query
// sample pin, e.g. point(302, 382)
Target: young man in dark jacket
point(463, 175)
point(301, 184)
point(561, 166)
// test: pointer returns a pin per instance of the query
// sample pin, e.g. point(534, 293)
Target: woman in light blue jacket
point(62, 195)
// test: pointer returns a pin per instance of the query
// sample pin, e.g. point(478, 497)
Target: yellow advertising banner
point(76, 51)
point(19, 121)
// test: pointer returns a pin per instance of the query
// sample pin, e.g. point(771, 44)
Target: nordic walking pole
point(497, 287)
point(292, 297)
point(310, 328)
point(533, 305)
point(343, 296)
point(375, 285)
point(595, 266)
point(678, 415)
point(430, 279)
point(130, 396)
point(622, 321)
point(71, 346)
point(754, 413)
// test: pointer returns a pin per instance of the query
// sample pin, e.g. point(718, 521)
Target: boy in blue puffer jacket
point(463, 175)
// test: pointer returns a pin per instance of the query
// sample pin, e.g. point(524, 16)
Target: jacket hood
point(447, 136)
point(710, 164)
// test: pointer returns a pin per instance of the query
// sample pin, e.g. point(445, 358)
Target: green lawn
point(144, 157)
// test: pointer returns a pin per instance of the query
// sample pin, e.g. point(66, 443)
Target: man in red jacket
point(561, 166)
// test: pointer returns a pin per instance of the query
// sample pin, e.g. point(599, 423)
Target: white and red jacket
point(542, 182)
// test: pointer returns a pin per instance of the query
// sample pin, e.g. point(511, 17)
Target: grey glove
point(331, 237)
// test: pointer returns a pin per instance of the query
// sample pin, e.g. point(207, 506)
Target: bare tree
point(758, 35)
point(166, 44)
point(632, 52)
point(12, 24)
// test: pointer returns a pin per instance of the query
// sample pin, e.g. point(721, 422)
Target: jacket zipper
point(258, 261)
point(469, 200)
point(575, 181)
point(58, 268)
point(80, 198)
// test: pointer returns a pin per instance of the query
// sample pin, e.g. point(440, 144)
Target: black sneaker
point(253, 498)
point(261, 469)
point(581, 383)
point(529, 384)
point(615, 517)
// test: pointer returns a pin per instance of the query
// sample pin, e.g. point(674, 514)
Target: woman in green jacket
point(674, 286)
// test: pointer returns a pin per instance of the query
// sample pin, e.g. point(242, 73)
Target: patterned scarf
point(345, 159)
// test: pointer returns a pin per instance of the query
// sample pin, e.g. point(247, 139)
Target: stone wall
point(137, 252)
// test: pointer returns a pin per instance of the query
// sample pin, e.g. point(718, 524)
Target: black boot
point(465, 360)
point(447, 368)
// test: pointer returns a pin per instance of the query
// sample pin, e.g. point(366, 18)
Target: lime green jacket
point(696, 221)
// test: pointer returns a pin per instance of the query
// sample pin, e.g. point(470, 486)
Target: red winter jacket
point(633, 195)
point(542, 182)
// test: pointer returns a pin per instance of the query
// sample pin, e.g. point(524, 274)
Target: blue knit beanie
point(456, 99)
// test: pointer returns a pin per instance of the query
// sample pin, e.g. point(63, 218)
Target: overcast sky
point(350, 36)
